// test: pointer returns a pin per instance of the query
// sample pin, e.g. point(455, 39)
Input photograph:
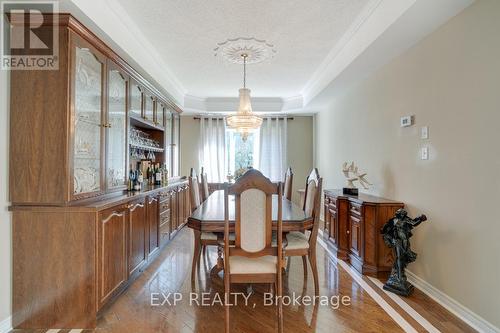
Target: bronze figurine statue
point(396, 233)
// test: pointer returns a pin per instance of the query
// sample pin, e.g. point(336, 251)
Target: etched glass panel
point(136, 100)
point(160, 111)
point(88, 96)
point(148, 108)
point(168, 141)
point(175, 145)
point(117, 121)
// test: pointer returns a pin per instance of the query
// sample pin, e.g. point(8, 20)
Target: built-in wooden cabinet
point(69, 162)
point(70, 134)
point(352, 229)
point(112, 271)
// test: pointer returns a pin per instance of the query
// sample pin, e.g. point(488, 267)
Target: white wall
point(299, 143)
point(450, 81)
point(5, 220)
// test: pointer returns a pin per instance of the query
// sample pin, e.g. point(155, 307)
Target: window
point(241, 154)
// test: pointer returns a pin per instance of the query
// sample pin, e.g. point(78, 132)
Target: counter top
point(361, 198)
point(104, 201)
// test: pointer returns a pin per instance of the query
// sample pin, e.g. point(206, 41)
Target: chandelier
point(244, 121)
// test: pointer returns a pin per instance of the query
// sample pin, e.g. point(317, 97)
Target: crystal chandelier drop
point(244, 121)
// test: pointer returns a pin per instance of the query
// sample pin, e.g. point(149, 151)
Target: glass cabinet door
point(175, 145)
point(168, 141)
point(149, 104)
point(136, 100)
point(116, 130)
point(160, 114)
point(88, 81)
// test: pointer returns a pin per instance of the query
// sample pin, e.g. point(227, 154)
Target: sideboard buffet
point(352, 227)
point(79, 237)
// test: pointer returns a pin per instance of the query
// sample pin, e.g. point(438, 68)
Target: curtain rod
point(199, 118)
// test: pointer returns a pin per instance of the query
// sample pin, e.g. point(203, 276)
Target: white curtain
point(212, 153)
point(272, 150)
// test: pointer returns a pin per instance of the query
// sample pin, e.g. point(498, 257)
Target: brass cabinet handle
point(133, 207)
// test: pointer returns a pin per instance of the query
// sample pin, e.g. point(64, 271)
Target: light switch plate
point(424, 153)
point(424, 133)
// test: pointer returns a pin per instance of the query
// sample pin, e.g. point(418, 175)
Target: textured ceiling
point(185, 32)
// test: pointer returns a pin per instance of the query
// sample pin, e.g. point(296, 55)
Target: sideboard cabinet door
point(88, 82)
point(112, 253)
point(153, 222)
point(137, 235)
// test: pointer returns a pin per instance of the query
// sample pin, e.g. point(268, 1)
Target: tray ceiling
point(185, 33)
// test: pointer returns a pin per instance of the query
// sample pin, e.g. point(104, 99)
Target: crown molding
point(414, 24)
point(116, 27)
point(195, 104)
point(377, 16)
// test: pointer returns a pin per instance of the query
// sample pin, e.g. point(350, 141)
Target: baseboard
point(6, 325)
point(472, 319)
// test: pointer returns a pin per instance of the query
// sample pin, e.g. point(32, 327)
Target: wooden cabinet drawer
point(164, 205)
point(356, 209)
point(165, 217)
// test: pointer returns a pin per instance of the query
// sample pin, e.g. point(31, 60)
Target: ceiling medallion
point(256, 50)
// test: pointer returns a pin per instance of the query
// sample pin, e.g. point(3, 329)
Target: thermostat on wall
point(406, 121)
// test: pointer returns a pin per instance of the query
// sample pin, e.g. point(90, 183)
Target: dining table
point(209, 217)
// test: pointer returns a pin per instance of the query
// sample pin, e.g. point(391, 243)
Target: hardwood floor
point(170, 273)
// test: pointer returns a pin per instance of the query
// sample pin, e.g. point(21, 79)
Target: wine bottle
point(140, 178)
point(149, 174)
point(131, 178)
point(157, 175)
point(137, 184)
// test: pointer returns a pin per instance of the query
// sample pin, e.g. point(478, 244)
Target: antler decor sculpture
point(352, 174)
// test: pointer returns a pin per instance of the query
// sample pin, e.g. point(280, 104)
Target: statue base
point(403, 288)
point(350, 191)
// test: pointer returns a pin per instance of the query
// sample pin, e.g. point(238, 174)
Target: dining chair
point(304, 244)
point(204, 185)
point(287, 184)
point(207, 238)
point(253, 258)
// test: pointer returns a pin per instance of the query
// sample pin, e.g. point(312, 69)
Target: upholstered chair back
point(253, 199)
point(252, 217)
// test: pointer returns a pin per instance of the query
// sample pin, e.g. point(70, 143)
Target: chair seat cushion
point(260, 265)
point(297, 240)
point(208, 236)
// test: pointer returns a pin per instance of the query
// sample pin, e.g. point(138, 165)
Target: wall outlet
point(406, 121)
point(424, 153)
point(424, 133)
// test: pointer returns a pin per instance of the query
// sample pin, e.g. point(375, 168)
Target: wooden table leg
point(196, 255)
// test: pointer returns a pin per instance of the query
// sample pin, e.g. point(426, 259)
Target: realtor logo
point(30, 39)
